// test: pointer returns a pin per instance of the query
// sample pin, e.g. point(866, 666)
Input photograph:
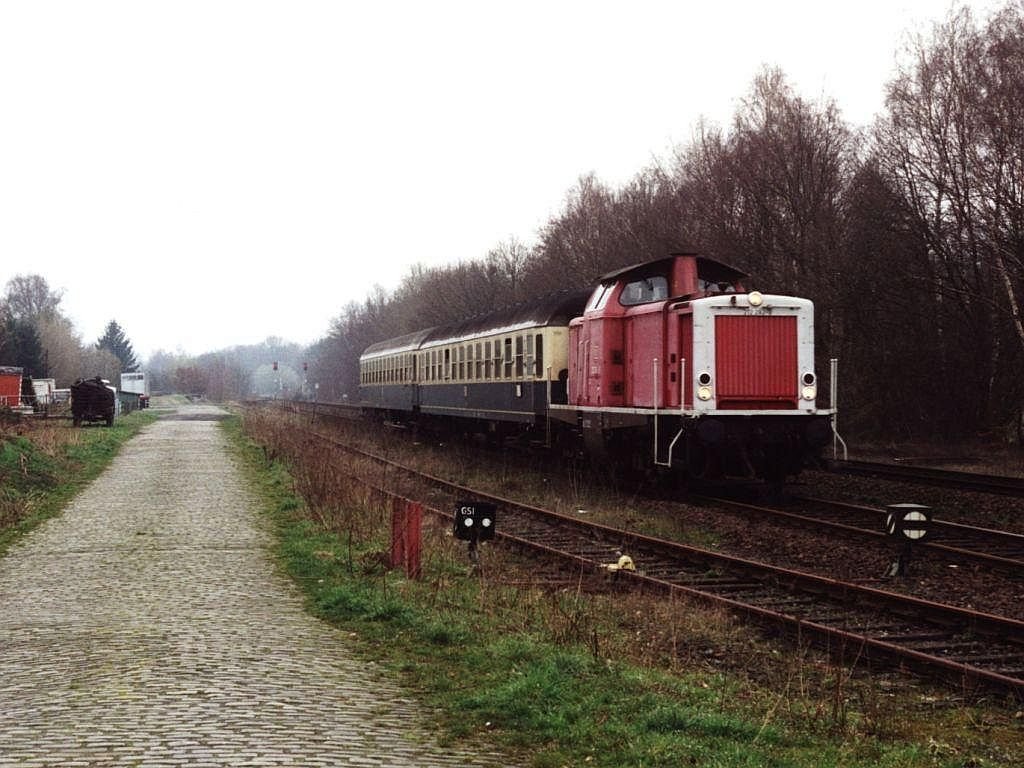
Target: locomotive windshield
point(714, 277)
point(715, 286)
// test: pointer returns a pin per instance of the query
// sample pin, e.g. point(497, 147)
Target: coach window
point(462, 363)
point(487, 360)
point(507, 358)
point(539, 354)
point(519, 357)
point(478, 361)
point(530, 369)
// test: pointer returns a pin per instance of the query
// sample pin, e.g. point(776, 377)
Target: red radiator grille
point(756, 361)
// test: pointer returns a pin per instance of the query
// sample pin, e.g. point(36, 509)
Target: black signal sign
point(910, 521)
point(474, 521)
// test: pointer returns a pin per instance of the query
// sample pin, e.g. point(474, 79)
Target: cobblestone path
point(147, 626)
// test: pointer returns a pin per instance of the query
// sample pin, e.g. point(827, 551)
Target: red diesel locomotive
point(669, 364)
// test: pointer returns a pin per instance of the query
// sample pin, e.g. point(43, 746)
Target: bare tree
point(953, 143)
point(28, 297)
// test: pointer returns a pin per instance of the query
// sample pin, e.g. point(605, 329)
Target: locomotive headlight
point(755, 298)
point(810, 389)
point(704, 382)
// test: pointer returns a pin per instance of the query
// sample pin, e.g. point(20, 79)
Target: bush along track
point(527, 667)
point(43, 465)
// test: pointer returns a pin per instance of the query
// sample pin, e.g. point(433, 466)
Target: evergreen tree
point(20, 346)
point(115, 342)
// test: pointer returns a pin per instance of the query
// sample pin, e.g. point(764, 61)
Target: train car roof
point(709, 269)
point(407, 343)
point(554, 309)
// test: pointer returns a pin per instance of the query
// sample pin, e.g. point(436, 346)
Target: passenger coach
point(501, 368)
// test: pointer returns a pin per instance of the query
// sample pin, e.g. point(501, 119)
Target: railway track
point(969, 649)
point(961, 543)
point(968, 481)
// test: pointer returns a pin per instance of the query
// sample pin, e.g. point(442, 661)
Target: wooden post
point(406, 526)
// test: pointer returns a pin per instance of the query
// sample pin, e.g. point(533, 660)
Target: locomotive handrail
point(682, 412)
point(834, 404)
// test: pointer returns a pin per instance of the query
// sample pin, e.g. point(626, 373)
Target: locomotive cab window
point(599, 297)
point(644, 291)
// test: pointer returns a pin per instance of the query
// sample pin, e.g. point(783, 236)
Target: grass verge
point(521, 666)
point(43, 465)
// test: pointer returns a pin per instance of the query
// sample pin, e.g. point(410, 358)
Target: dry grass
point(791, 684)
point(49, 436)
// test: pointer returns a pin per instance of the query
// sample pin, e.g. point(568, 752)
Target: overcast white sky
point(213, 173)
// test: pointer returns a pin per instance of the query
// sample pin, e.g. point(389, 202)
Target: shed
point(10, 386)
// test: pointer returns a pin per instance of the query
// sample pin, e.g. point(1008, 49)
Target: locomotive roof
point(553, 309)
point(709, 269)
